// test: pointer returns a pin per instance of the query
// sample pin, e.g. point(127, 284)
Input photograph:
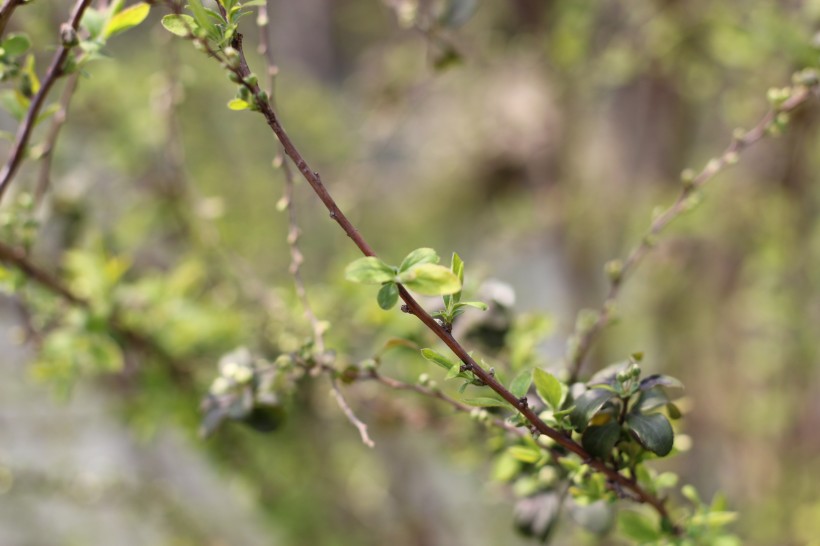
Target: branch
point(18, 259)
point(51, 140)
point(55, 71)
point(6, 11)
point(622, 270)
point(241, 70)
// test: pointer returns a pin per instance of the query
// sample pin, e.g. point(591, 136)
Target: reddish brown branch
point(6, 11)
point(55, 71)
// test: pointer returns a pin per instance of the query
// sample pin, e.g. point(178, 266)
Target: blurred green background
point(538, 156)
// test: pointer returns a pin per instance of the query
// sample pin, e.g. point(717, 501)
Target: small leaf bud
point(731, 158)
point(424, 379)
point(687, 176)
point(231, 56)
point(739, 134)
point(614, 269)
point(634, 370)
point(68, 36)
point(251, 79)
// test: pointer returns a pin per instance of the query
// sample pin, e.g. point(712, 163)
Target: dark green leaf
point(651, 400)
point(662, 380)
point(418, 257)
point(430, 280)
point(388, 296)
point(548, 388)
point(587, 405)
point(652, 431)
point(369, 270)
point(521, 384)
point(437, 358)
point(600, 440)
point(638, 527)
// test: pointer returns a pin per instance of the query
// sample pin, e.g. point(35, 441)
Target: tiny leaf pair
point(419, 272)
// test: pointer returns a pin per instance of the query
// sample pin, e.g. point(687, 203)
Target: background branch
point(620, 271)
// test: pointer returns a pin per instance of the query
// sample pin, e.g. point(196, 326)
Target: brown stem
point(6, 11)
point(55, 70)
point(604, 315)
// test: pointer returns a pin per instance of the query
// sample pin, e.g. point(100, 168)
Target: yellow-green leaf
point(127, 18)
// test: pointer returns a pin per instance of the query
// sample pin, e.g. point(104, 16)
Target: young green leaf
point(457, 267)
point(93, 22)
point(430, 280)
point(16, 44)
point(388, 296)
point(418, 257)
point(525, 454)
point(638, 527)
point(438, 358)
point(127, 18)
point(652, 431)
point(238, 104)
point(477, 304)
point(369, 270)
point(486, 402)
point(181, 25)
point(521, 384)
point(548, 388)
point(587, 405)
point(454, 372)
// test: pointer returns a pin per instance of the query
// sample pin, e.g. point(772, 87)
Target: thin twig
point(586, 337)
point(55, 71)
point(51, 139)
point(355, 421)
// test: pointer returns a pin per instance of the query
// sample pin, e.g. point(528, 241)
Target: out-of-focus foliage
point(535, 137)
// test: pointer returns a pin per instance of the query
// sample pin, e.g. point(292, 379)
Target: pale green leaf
point(369, 270)
point(548, 388)
point(430, 280)
point(181, 25)
point(418, 257)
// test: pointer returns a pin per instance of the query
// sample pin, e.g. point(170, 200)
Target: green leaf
point(388, 296)
point(662, 380)
point(714, 519)
point(181, 25)
point(521, 384)
point(587, 405)
point(638, 527)
point(454, 372)
point(438, 358)
point(93, 21)
point(600, 440)
point(477, 304)
point(203, 19)
point(16, 44)
point(127, 18)
point(548, 388)
point(486, 402)
point(418, 257)
point(238, 104)
point(430, 280)
point(525, 454)
point(652, 431)
point(369, 270)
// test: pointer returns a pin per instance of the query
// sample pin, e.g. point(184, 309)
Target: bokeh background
point(538, 154)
